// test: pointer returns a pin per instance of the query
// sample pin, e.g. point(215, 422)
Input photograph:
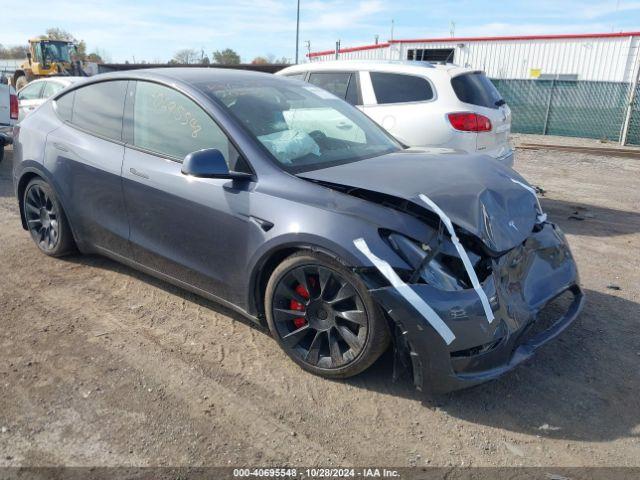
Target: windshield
point(302, 126)
point(57, 51)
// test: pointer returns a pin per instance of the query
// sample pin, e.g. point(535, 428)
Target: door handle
point(138, 173)
point(60, 147)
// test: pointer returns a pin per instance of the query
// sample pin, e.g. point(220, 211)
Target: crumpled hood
point(475, 192)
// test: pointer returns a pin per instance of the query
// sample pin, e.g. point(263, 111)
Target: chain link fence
point(633, 135)
point(572, 108)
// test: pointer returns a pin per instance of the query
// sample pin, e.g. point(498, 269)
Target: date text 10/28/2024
point(316, 473)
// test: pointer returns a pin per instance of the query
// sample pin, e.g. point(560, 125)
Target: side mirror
point(210, 163)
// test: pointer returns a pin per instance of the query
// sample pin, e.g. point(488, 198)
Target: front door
point(193, 229)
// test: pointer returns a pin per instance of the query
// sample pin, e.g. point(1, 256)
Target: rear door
point(477, 91)
point(402, 106)
point(85, 157)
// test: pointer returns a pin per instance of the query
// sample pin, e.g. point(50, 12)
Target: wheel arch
point(35, 170)
point(265, 266)
point(21, 187)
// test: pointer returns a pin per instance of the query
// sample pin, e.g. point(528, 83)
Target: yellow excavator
point(46, 58)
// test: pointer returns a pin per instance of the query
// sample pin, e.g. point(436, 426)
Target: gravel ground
point(102, 365)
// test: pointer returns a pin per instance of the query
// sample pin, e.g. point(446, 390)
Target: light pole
point(297, 31)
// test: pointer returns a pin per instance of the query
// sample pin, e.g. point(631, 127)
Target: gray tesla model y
point(283, 202)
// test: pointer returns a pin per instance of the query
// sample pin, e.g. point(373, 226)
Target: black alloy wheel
point(46, 220)
point(323, 317)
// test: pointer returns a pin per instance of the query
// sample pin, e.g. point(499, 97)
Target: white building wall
point(596, 58)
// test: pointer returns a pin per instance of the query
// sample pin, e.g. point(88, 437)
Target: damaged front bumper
point(527, 291)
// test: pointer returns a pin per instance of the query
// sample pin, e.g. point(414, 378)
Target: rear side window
point(343, 85)
point(99, 108)
point(475, 88)
point(169, 123)
point(399, 88)
point(64, 106)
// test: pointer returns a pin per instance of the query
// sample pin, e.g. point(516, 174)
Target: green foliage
point(226, 57)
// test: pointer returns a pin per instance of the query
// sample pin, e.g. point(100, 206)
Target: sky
point(153, 30)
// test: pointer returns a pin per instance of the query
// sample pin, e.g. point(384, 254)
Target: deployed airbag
point(287, 145)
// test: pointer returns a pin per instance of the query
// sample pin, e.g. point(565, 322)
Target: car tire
point(46, 220)
point(340, 330)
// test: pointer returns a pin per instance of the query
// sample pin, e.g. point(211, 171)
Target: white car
point(35, 93)
point(419, 103)
point(8, 115)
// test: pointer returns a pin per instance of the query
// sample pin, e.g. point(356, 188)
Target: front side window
point(98, 108)
point(38, 52)
point(51, 88)
point(336, 83)
point(353, 91)
point(343, 85)
point(31, 92)
point(399, 88)
point(169, 123)
point(303, 127)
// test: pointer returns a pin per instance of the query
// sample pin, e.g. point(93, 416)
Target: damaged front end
point(533, 291)
point(480, 284)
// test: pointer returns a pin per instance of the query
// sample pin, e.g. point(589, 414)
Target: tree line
point(227, 56)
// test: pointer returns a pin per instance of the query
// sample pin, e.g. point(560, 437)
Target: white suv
point(419, 103)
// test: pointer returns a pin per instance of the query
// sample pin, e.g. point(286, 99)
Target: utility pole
point(392, 25)
point(308, 45)
point(297, 31)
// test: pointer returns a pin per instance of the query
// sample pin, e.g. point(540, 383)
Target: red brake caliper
point(299, 322)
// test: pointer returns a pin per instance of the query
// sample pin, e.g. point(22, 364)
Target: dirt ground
point(102, 365)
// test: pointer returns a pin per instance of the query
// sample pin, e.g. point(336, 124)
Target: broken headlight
point(436, 263)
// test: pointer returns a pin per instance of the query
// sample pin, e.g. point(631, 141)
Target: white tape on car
point(407, 292)
point(542, 217)
point(463, 256)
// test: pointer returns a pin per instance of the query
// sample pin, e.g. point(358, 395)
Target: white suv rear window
point(475, 88)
